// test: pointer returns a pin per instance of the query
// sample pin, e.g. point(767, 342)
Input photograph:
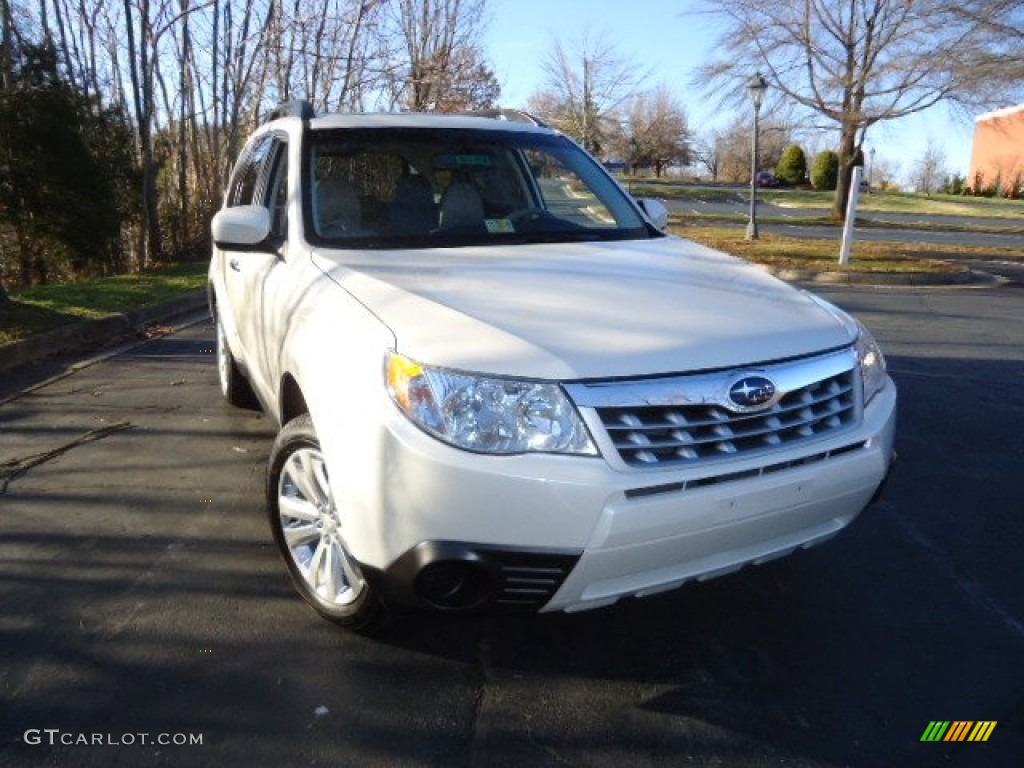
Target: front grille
point(665, 435)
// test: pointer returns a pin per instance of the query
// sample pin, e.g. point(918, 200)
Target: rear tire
point(309, 530)
point(233, 385)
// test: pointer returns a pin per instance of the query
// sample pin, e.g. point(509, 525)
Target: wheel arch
point(291, 398)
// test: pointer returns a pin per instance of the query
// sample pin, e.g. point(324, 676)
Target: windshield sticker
point(499, 226)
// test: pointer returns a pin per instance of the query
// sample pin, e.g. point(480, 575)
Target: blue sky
point(672, 45)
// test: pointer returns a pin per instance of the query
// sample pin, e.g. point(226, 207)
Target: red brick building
point(997, 157)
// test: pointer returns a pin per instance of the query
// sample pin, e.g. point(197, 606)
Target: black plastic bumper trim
point(459, 577)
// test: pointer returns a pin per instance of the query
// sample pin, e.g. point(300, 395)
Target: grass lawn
point(902, 202)
point(823, 255)
point(677, 190)
point(864, 221)
point(48, 306)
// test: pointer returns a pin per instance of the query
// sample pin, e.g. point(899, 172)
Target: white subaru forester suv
point(500, 384)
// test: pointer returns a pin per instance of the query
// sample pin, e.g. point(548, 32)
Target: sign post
point(851, 215)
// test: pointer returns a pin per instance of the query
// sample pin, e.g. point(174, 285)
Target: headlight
point(487, 414)
point(869, 355)
point(871, 361)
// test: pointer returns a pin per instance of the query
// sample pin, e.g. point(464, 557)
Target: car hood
point(583, 310)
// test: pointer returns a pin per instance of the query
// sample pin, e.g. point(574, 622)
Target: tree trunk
point(6, 23)
point(65, 48)
point(185, 80)
point(847, 159)
point(142, 92)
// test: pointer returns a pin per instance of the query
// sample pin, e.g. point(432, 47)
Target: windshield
point(413, 187)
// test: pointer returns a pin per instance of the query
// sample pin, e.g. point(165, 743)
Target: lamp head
point(756, 87)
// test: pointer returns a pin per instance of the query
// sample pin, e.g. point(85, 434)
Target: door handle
point(236, 265)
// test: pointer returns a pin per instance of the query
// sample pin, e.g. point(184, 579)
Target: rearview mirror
point(656, 212)
point(243, 226)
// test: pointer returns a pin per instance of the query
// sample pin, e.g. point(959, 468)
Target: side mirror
point(656, 212)
point(243, 226)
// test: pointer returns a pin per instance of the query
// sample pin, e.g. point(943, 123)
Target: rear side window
point(247, 174)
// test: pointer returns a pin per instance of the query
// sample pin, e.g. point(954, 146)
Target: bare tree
point(929, 169)
point(194, 77)
point(655, 133)
point(440, 66)
point(707, 153)
point(327, 53)
point(472, 85)
point(860, 62)
point(998, 58)
point(585, 87)
point(884, 173)
point(733, 147)
point(139, 39)
point(360, 58)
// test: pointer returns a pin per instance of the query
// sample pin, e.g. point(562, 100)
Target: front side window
point(275, 196)
point(407, 187)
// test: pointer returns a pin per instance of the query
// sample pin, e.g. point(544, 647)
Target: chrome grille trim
point(683, 421)
point(729, 477)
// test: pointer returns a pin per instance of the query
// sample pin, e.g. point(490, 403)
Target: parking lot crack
point(15, 468)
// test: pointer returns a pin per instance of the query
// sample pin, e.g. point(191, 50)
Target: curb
point(68, 338)
point(961, 277)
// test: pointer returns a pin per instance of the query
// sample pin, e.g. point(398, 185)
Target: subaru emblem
point(752, 392)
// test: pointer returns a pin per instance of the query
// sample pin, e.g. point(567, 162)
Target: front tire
point(309, 530)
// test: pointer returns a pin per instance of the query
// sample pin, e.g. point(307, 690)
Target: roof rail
point(512, 115)
point(294, 108)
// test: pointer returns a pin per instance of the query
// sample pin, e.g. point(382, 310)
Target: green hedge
point(825, 171)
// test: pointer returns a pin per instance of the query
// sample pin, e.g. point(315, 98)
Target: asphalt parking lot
point(141, 594)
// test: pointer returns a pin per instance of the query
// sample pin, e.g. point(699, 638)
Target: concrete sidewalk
point(92, 333)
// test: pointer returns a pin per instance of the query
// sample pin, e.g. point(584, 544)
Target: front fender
point(334, 351)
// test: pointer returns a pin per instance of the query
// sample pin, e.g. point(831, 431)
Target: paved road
point(140, 593)
point(912, 218)
point(896, 235)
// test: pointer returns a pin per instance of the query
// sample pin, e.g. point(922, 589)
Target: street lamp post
point(634, 146)
point(755, 88)
point(871, 170)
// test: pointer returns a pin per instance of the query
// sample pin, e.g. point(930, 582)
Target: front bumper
point(447, 528)
point(457, 576)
